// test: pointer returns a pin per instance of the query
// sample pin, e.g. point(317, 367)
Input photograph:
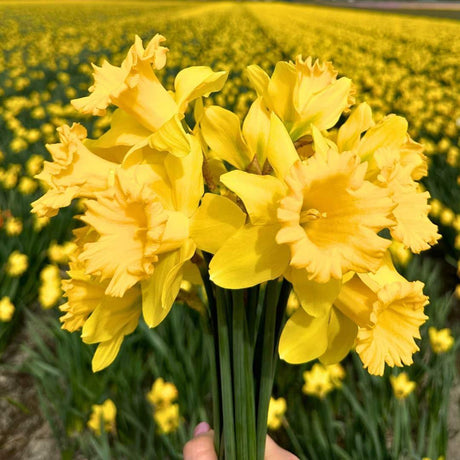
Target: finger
point(201, 447)
point(275, 452)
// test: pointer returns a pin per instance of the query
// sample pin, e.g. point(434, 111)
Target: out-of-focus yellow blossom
point(456, 223)
point(162, 393)
point(103, 415)
point(40, 222)
point(336, 374)
point(447, 216)
point(49, 291)
point(13, 226)
point(441, 340)
point(18, 144)
point(402, 386)
point(401, 254)
point(9, 178)
point(276, 411)
point(317, 381)
point(38, 113)
point(27, 185)
point(6, 309)
point(457, 291)
point(17, 264)
point(61, 253)
point(436, 207)
point(167, 418)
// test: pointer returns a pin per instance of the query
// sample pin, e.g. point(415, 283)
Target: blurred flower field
point(147, 403)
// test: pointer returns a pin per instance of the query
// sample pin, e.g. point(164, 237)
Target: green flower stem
point(211, 343)
point(293, 438)
point(267, 364)
point(397, 428)
point(225, 374)
point(243, 389)
point(252, 310)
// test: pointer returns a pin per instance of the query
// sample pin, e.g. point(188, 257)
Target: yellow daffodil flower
point(103, 415)
point(145, 213)
point(441, 340)
point(167, 418)
point(17, 264)
point(380, 312)
point(49, 291)
point(395, 163)
point(292, 224)
point(162, 394)
point(317, 381)
point(402, 386)
point(276, 411)
point(303, 93)
point(243, 148)
point(13, 226)
point(144, 105)
point(74, 172)
point(6, 309)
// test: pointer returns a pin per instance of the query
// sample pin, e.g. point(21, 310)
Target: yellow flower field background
point(147, 403)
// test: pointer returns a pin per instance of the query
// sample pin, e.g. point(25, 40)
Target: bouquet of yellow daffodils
point(306, 194)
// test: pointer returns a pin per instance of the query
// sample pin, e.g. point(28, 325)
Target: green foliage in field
point(399, 65)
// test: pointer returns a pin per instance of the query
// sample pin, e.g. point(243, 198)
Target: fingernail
point(201, 428)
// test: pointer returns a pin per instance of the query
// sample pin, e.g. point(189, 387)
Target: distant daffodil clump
point(307, 193)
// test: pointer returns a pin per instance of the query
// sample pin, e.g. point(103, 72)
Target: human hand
point(201, 447)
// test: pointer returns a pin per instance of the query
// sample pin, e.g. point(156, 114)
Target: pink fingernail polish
point(201, 428)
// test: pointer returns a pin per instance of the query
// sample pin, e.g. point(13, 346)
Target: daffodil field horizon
point(216, 199)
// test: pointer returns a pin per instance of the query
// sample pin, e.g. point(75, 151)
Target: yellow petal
point(171, 138)
point(321, 146)
point(413, 227)
point(124, 130)
point(197, 81)
point(324, 109)
point(390, 133)
point(359, 121)
point(315, 298)
point(215, 221)
point(258, 78)
point(280, 90)
point(106, 353)
point(186, 178)
point(256, 128)
point(161, 289)
point(251, 256)
point(281, 152)
point(112, 317)
point(260, 194)
point(221, 131)
point(304, 337)
point(341, 334)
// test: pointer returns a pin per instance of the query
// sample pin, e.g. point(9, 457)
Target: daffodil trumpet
point(231, 217)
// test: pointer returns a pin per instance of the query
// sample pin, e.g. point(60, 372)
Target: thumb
point(201, 447)
point(275, 452)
